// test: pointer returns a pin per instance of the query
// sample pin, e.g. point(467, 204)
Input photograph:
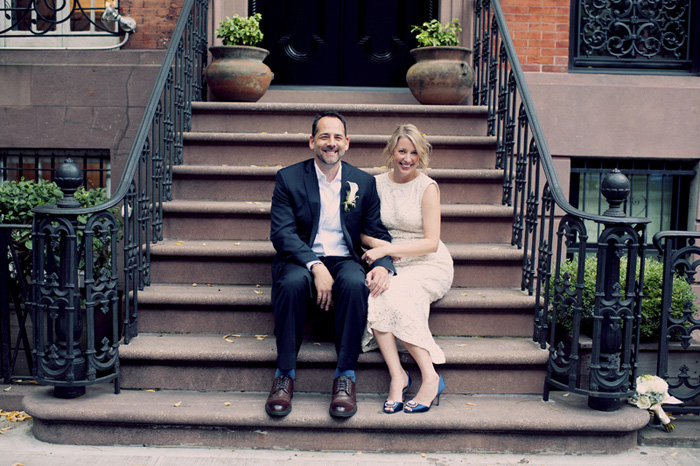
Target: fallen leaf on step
point(565, 394)
point(224, 165)
point(236, 244)
point(673, 454)
point(480, 294)
point(229, 340)
point(256, 202)
point(7, 389)
point(248, 202)
point(204, 244)
point(177, 404)
point(317, 344)
point(257, 292)
point(357, 453)
point(5, 429)
point(260, 337)
point(462, 345)
point(227, 404)
point(151, 390)
point(422, 455)
point(471, 404)
point(209, 284)
point(465, 294)
point(194, 284)
point(257, 286)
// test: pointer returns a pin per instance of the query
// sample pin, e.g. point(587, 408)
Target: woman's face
point(405, 162)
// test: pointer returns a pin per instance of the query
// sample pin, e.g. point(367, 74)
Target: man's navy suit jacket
point(296, 208)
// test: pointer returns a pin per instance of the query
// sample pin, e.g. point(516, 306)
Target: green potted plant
point(442, 73)
point(237, 72)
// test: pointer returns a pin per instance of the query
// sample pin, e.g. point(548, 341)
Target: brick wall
point(540, 33)
point(155, 20)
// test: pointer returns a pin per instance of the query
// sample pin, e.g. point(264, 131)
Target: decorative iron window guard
point(634, 35)
point(27, 18)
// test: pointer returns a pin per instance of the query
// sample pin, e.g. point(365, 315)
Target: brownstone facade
point(540, 32)
point(155, 19)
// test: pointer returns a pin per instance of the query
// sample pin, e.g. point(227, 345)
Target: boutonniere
point(351, 197)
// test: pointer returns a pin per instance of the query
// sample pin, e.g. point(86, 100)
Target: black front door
point(341, 42)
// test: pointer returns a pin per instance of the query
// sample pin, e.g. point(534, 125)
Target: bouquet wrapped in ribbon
point(652, 392)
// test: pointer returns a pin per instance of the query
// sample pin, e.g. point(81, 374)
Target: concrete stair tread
point(235, 347)
point(310, 411)
point(343, 108)
point(208, 207)
point(223, 171)
point(252, 295)
point(209, 248)
point(302, 139)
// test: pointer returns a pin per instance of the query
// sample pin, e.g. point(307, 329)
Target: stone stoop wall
point(155, 21)
point(540, 33)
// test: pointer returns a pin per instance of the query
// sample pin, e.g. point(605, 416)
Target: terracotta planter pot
point(441, 75)
point(237, 73)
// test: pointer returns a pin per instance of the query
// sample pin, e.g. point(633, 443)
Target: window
point(35, 164)
point(53, 23)
point(659, 190)
point(634, 36)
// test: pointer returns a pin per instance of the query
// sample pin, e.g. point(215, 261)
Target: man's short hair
point(314, 125)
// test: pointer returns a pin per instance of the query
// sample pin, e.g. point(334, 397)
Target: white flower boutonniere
point(351, 197)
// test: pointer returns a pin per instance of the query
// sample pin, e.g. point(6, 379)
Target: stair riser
point(245, 122)
point(244, 271)
point(360, 155)
point(463, 379)
point(242, 189)
point(389, 440)
point(486, 323)
point(244, 227)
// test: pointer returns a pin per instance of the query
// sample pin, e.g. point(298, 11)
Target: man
point(319, 208)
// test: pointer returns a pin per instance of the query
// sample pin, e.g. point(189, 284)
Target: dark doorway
point(341, 42)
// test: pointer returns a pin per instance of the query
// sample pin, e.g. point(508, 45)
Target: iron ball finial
point(615, 188)
point(68, 177)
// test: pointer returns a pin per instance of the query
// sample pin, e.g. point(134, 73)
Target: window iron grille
point(35, 164)
point(634, 35)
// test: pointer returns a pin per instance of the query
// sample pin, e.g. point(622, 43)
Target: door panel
point(341, 43)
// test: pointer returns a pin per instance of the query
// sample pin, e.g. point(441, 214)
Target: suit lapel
point(313, 196)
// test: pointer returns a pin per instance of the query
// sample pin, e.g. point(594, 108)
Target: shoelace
point(281, 383)
point(344, 384)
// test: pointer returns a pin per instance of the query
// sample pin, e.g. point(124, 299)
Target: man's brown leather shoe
point(279, 402)
point(343, 403)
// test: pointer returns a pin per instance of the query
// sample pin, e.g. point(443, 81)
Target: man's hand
point(377, 281)
point(323, 280)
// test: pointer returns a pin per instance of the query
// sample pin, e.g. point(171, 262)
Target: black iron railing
point(75, 270)
point(540, 208)
point(679, 367)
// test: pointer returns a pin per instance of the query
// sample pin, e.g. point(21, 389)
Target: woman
point(410, 209)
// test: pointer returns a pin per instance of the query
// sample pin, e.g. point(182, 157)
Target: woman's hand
point(373, 254)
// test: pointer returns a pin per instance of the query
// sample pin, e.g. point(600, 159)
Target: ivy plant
point(434, 34)
point(240, 31)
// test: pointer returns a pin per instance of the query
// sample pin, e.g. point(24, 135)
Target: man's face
point(330, 142)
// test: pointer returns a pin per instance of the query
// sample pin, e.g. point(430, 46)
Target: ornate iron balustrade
point(680, 256)
point(531, 187)
point(637, 34)
point(59, 302)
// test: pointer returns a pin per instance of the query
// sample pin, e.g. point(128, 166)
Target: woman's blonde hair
point(411, 133)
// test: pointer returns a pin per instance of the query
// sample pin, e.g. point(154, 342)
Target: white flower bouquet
point(652, 392)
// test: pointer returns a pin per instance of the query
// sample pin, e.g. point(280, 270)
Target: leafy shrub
point(434, 34)
point(240, 31)
point(18, 198)
point(652, 289)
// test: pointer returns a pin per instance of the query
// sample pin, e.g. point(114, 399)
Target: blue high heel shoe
point(413, 407)
point(391, 407)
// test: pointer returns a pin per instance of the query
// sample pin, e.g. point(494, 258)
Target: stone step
point(248, 263)
point(275, 149)
point(172, 308)
point(238, 361)
point(269, 117)
point(339, 95)
point(462, 423)
point(250, 220)
point(253, 183)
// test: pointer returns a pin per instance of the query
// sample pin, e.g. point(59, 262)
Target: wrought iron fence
point(680, 367)
point(531, 187)
point(65, 248)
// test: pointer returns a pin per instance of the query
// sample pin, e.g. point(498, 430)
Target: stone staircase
point(200, 369)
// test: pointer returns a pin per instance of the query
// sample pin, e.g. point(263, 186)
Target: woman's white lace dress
point(404, 308)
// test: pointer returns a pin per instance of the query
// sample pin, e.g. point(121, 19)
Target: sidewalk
point(18, 445)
